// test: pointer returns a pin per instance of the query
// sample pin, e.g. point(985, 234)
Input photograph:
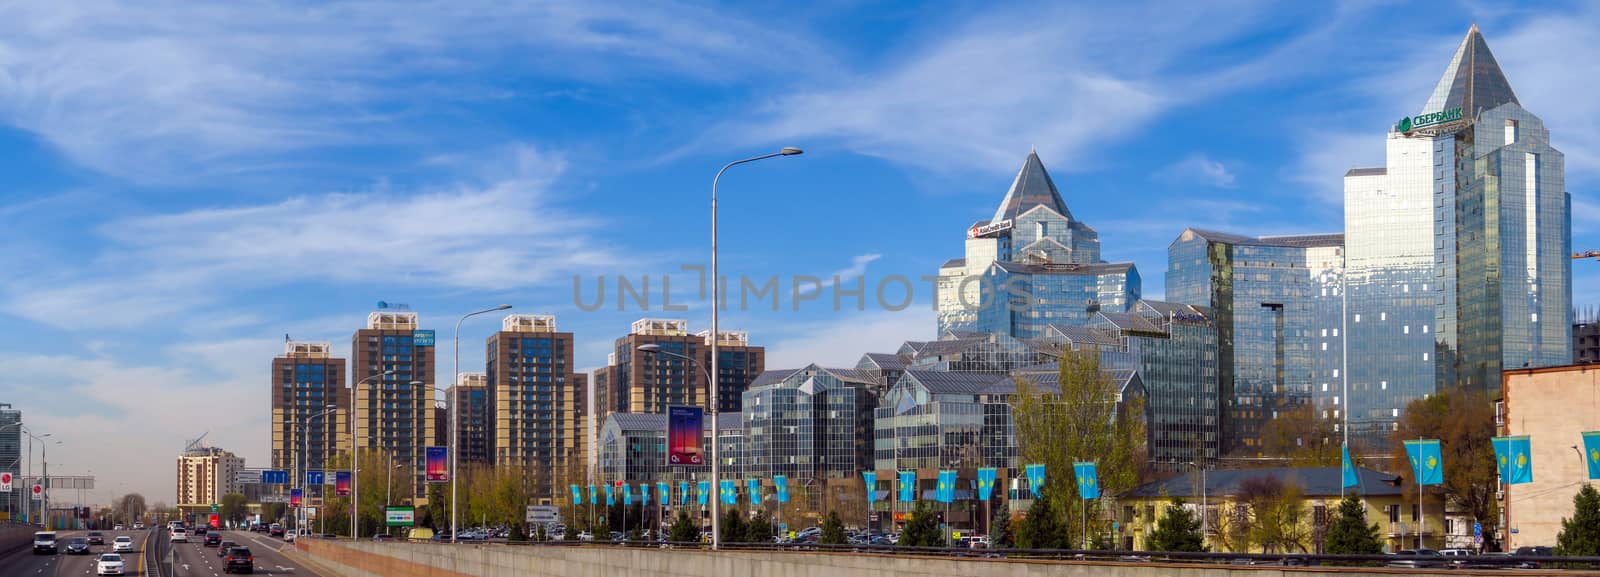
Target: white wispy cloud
point(841, 341)
point(499, 234)
point(1197, 168)
point(170, 90)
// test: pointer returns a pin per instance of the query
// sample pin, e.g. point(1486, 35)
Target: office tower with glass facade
point(809, 423)
point(1030, 265)
point(1458, 247)
point(634, 381)
point(307, 378)
point(11, 504)
point(633, 449)
point(538, 403)
point(393, 415)
point(471, 396)
point(1277, 307)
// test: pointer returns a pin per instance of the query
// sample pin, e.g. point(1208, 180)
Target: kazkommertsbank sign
point(1411, 123)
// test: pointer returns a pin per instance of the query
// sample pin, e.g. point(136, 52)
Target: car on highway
point(1416, 559)
point(44, 543)
point(199, 531)
point(119, 528)
point(275, 530)
point(224, 546)
point(77, 546)
point(288, 536)
point(109, 564)
point(122, 543)
point(179, 535)
point(96, 538)
point(212, 540)
point(383, 537)
point(239, 560)
point(138, 526)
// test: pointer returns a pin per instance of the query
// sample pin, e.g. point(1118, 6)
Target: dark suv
point(212, 539)
point(239, 560)
point(96, 538)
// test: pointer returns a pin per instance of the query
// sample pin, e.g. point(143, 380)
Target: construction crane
point(1586, 254)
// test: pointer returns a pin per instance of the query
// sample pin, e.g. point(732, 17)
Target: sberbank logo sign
point(1411, 123)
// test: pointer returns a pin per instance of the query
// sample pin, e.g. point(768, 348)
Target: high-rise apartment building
point(306, 379)
point(11, 504)
point(1277, 305)
point(1031, 265)
point(538, 403)
point(392, 414)
point(637, 382)
point(1458, 247)
point(205, 475)
point(475, 418)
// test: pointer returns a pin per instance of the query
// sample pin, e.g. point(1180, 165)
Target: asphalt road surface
point(196, 560)
point(23, 563)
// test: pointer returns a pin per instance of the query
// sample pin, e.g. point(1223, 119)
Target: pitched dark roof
point(884, 361)
point(1313, 481)
point(1167, 309)
point(954, 262)
point(771, 376)
point(1294, 240)
point(658, 421)
point(1380, 171)
point(1131, 322)
point(1083, 335)
point(1097, 268)
point(1032, 187)
point(942, 382)
point(1472, 81)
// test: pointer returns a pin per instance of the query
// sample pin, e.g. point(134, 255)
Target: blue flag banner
point(1591, 452)
point(611, 498)
point(946, 491)
point(870, 479)
point(627, 494)
point(664, 492)
point(683, 492)
point(781, 483)
point(1513, 456)
point(754, 485)
point(730, 496)
point(1035, 474)
point(577, 495)
point(1088, 480)
point(986, 477)
point(704, 493)
point(644, 493)
point(1427, 463)
point(908, 486)
point(1350, 479)
point(594, 497)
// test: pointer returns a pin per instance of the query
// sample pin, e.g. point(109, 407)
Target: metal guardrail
point(1103, 556)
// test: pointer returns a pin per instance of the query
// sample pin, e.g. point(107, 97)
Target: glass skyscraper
point(1030, 265)
point(1276, 303)
point(1458, 247)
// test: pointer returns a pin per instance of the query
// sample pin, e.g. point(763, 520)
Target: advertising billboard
point(438, 469)
point(684, 432)
point(341, 483)
point(400, 516)
point(294, 497)
point(422, 338)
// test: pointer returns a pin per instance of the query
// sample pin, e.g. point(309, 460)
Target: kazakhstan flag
point(946, 491)
point(1350, 479)
point(755, 490)
point(705, 492)
point(908, 486)
point(1591, 453)
point(1088, 483)
point(730, 496)
point(577, 495)
point(683, 492)
point(870, 479)
point(611, 498)
point(627, 494)
point(594, 496)
point(986, 477)
point(1035, 475)
point(664, 492)
point(644, 493)
point(1427, 463)
point(780, 485)
point(1513, 458)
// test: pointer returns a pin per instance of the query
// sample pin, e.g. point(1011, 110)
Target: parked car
point(44, 543)
point(1537, 551)
point(109, 564)
point(1417, 559)
point(239, 560)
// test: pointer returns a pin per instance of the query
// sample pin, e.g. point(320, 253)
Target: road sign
point(400, 516)
point(1477, 530)
point(247, 477)
point(274, 499)
point(5, 482)
point(214, 508)
point(38, 492)
point(275, 477)
point(314, 478)
point(543, 514)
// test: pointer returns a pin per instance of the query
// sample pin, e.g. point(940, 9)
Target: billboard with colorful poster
point(438, 470)
point(341, 483)
point(685, 427)
point(294, 497)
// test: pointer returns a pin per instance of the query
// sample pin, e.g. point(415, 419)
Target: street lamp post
point(455, 413)
point(303, 466)
point(716, 453)
point(355, 457)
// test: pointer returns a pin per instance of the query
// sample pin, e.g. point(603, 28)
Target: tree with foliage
point(1349, 534)
point(1042, 528)
point(1580, 534)
point(1000, 528)
point(1279, 521)
point(571, 534)
point(1303, 437)
point(759, 529)
point(233, 507)
point(1086, 419)
point(922, 528)
point(684, 529)
point(1463, 421)
point(1178, 530)
point(832, 530)
point(733, 526)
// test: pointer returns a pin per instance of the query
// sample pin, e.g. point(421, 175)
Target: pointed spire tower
point(1031, 188)
point(1473, 81)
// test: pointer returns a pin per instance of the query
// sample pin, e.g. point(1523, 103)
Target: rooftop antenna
point(195, 443)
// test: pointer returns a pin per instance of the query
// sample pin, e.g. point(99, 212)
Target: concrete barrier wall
point(14, 537)
point(369, 559)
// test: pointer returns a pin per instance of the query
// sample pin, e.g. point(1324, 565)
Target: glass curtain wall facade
point(11, 504)
point(539, 404)
point(1277, 306)
point(804, 424)
point(307, 378)
point(633, 449)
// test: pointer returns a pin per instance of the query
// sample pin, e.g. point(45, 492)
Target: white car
point(288, 536)
point(122, 544)
point(110, 564)
point(180, 536)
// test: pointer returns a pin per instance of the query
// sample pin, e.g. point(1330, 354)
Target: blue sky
point(186, 184)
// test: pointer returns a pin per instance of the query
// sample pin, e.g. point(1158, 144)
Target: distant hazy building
point(637, 382)
point(11, 458)
point(392, 414)
point(1458, 247)
point(1585, 339)
point(538, 402)
point(206, 474)
point(1277, 307)
point(1030, 265)
point(307, 378)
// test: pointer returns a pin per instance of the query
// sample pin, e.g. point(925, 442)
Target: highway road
point(23, 563)
point(193, 559)
point(197, 560)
